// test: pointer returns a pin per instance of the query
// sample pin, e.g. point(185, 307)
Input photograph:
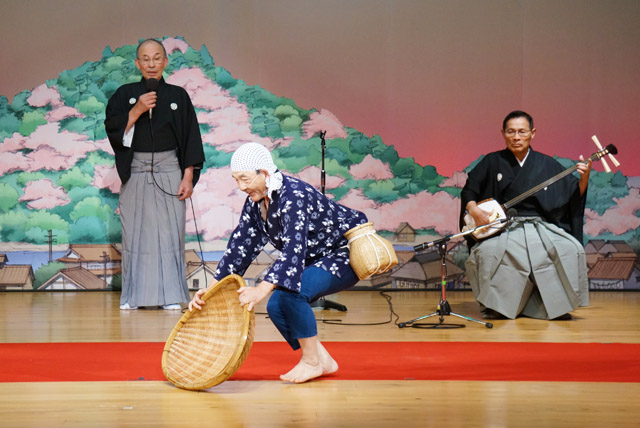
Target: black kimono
point(153, 222)
point(536, 266)
point(175, 125)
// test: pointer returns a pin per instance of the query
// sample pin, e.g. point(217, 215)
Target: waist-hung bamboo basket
point(369, 253)
point(206, 347)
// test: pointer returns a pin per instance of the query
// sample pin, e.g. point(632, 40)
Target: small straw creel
point(206, 347)
point(369, 253)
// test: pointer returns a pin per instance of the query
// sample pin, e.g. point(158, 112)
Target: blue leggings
point(291, 312)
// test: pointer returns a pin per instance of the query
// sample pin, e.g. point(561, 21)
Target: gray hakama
point(533, 268)
point(153, 233)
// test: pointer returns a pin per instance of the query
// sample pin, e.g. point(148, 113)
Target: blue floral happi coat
point(303, 224)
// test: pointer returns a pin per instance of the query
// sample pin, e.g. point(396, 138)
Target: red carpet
point(579, 362)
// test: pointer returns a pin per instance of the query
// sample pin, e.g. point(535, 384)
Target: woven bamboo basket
point(206, 347)
point(370, 253)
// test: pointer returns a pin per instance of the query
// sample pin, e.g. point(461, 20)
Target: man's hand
point(479, 215)
point(145, 102)
point(185, 190)
point(251, 296)
point(584, 169)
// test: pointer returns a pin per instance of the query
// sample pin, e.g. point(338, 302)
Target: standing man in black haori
point(536, 267)
point(153, 129)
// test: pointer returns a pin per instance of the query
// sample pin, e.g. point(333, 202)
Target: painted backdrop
point(411, 94)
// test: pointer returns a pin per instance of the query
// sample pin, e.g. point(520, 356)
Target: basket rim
point(248, 319)
point(357, 228)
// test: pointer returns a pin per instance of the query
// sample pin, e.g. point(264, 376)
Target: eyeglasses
point(147, 61)
point(521, 132)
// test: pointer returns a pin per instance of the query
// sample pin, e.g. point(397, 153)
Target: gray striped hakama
point(153, 233)
point(533, 268)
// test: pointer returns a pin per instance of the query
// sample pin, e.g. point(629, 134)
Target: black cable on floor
point(392, 313)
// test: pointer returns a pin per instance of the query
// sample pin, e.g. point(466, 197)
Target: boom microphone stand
point(322, 302)
point(443, 307)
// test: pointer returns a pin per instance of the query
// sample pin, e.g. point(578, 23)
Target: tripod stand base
point(328, 304)
point(441, 324)
point(442, 310)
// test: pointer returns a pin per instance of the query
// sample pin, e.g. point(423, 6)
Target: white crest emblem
point(499, 177)
point(132, 100)
point(174, 106)
point(545, 189)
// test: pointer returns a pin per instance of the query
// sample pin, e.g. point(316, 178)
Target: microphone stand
point(322, 302)
point(443, 307)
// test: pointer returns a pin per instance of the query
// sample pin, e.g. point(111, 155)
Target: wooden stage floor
point(95, 317)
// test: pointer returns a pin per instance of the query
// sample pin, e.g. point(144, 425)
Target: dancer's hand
point(197, 301)
point(251, 296)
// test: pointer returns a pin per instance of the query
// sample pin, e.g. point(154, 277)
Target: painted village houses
point(613, 265)
point(15, 277)
point(405, 233)
point(75, 278)
point(100, 260)
point(615, 273)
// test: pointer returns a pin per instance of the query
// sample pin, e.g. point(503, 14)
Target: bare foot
point(329, 365)
point(303, 371)
point(315, 361)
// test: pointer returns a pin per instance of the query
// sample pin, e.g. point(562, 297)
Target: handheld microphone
point(151, 85)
